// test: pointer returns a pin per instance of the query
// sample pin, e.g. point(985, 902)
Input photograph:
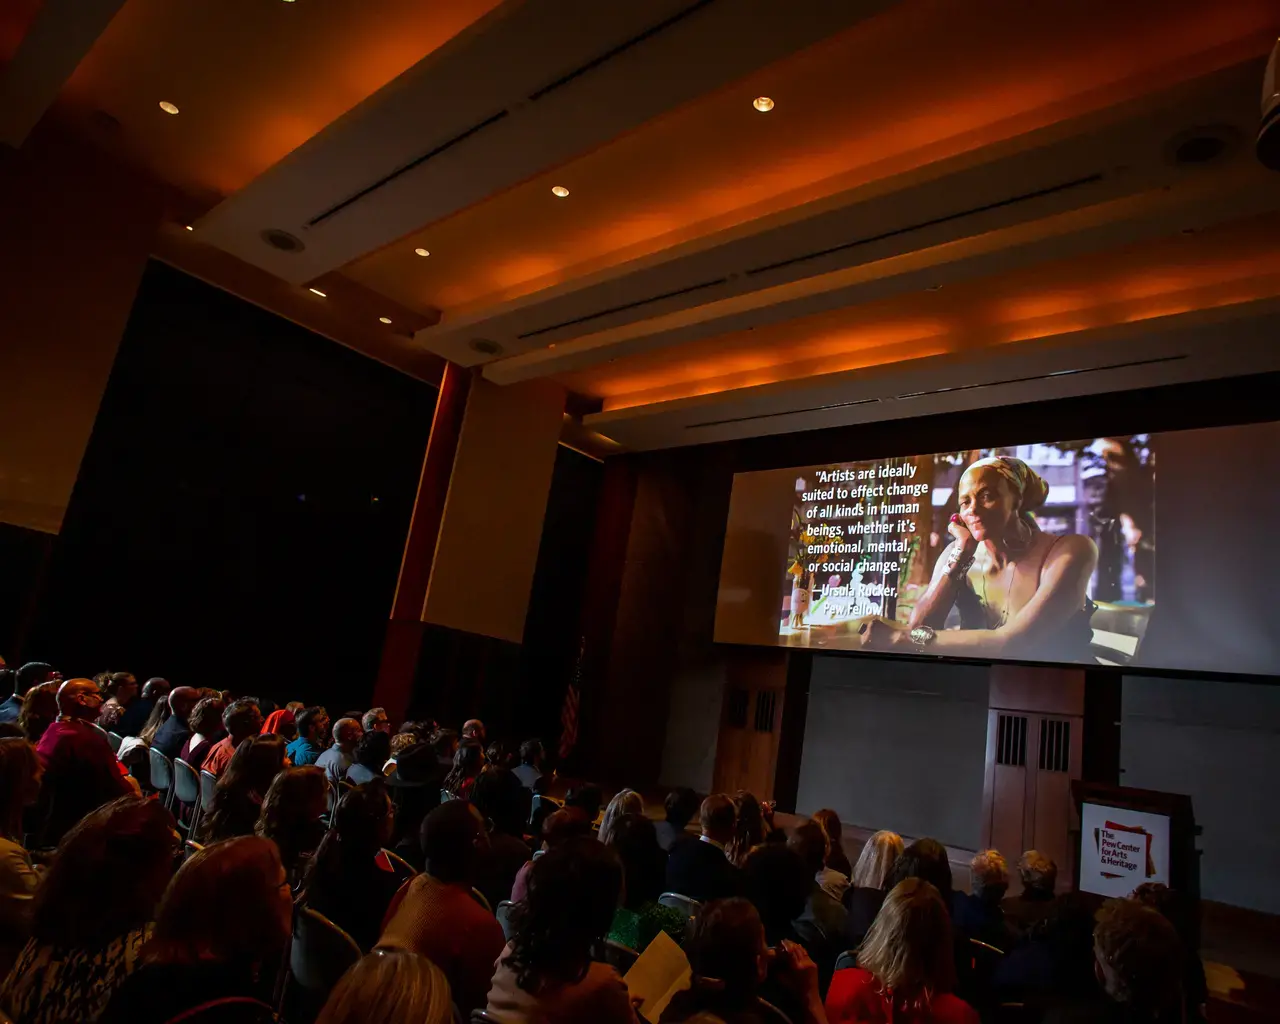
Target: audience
point(1039, 875)
point(681, 805)
point(821, 927)
point(158, 716)
point(415, 791)
point(529, 771)
point(906, 966)
point(369, 757)
point(237, 799)
point(640, 917)
point(626, 801)
point(748, 829)
point(281, 722)
point(777, 882)
point(504, 802)
point(702, 870)
point(121, 690)
point(399, 743)
point(978, 913)
point(376, 720)
point(445, 744)
point(243, 720)
point(136, 715)
point(351, 881)
point(207, 730)
point(473, 732)
point(558, 828)
point(390, 986)
point(171, 737)
point(837, 860)
point(20, 773)
point(468, 763)
point(81, 949)
point(436, 914)
point(870, 884)
point(81, 770)
point(30, 675)
point(341, 755)
point(313, 727)
point(291, 811)
point(588, 798)
point(219, 933)
point(39, 710)
point(546, 974)
point(1175, 909)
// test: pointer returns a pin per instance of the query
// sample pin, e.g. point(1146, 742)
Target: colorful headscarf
point(1027, 484)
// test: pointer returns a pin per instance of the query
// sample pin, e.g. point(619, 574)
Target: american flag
point(569, 713)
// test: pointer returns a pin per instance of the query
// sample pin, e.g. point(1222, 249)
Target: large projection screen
point(1145, 550)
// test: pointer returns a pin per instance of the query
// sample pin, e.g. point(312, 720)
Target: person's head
point(1039, 874)
point(121, 687)
point(182, 699)
point(500, 797)
point(401, 742)
point(313, 724)
point(588, 798)
point(362, 824)
point(908, 949)
point(33, 673)
point(563, 825)
point(635, 840)
point(927, 859)
point(376, 720)
point(373, 750)
point(811, 844)
point(681, 805)
point(445, 744)
point(468, 763)
point(626, 801)
point(20, 774)
point(155, 688)
point(80, 699)
point(291, 812)
point(1139, 956)
point(347, 733)
point(532, 753)
point(242, 718)
point(829, 822)
point(778, 883)
point(160, 713)
point(453, 839)
point(255, 764)
point(392, 986)
point(996, 495)
point(295, 706)
point(473, 730)
point(988, 876)
point(39, 709)
point(206, 716)
point(748, 826)
point(573, 896)
point(108, 875)
point(230, 903)
point(728, 951)
point(718, 817)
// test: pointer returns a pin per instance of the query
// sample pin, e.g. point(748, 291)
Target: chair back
point(847, 959)
point(481, 1017)
point(976, 985)
point(621, 958)
point(399, 863)
point(186, 783)
point(115, 739)
point(320, 955)
point(237, 1009)
point(678, 902)
point(479, 897)
point(190, 848)
point(162, 775)
point(503, 914)
point(208, 786)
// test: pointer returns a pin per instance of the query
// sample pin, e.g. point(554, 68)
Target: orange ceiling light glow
point(168, 108)
point(764, 104)
point(422, 252)
point(559, 191)
point(384, 319)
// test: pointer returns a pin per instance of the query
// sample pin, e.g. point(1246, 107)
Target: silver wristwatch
point(922, 637)
point(958, 566)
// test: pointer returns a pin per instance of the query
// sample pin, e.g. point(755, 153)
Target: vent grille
point(1055, 745)
point(735, 713)
point(624, 307)
point(1011, 740)
point(766, 708)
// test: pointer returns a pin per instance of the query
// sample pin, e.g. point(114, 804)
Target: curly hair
point(1140, 955)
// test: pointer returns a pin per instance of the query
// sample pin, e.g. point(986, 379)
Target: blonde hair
point(908, 949)
point(628, 801)
point(392, 986)
point(876, 859)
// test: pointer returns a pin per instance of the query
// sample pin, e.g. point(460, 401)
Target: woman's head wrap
point(1027, 484)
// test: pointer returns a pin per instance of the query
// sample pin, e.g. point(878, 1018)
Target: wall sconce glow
point(763, 104)
point(384, 319)
point(317, 291)
point(422, 252)
point(559, 190)
point(190, 228)
point(168, 108)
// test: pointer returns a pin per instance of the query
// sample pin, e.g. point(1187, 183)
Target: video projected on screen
point(1043, 552)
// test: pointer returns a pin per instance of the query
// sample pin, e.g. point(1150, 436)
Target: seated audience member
point(821, 925)
point(445, 744)
point(1054, 963)
point(171, 737)
point(338, 758)
point(1139, 961)
point(30, 675)
point(1178, 912)
point(702, 870)
point(291, 811)
point(625, 801)
point(837, 871)
point(313, 727)
point(558, 828)
point(376, 720)
point(415, 791)
point(546, 974)
point(20, 772)
point(504, 803)
point(473, 732)
point(350, 880)
point(281, 723)
point(91, 912)
point(1039, 875)
point(870, 884)
point(777, 882)
point(81, 770)
point(121, 690)
point(438, 917)
point(219, 933)
point(399, 743)
point(978, 913)
point(588, 798)
point(468, 763)
point(243, 720)
point(369, 757)
point(641, 916)
point(681, 805)
point(748, 828)
point(390, 986)
point(529, 770)
point(207, 730)
point(139, 710)
point(927, 859)
point(730, 962)
point(39, 710)
point(237, 799)
point(906, 966)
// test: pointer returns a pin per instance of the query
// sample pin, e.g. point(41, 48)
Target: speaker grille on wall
point(1055, 745)
point(735, 704)
point(766, 707)
point(1011, 740)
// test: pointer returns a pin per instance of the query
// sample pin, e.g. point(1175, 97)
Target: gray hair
point(875, 860)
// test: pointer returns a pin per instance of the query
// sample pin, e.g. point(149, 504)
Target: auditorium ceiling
point(944, 205)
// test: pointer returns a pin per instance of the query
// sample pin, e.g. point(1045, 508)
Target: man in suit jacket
point(701, 870)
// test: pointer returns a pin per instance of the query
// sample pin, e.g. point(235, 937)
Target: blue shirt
point(335, 762)
point(302, 752)
point(10, 709)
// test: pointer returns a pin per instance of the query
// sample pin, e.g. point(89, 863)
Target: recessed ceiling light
point(317, 291)
point(167, 107)
point(559, 190)
point(933, 288)
point(190, 228)
point(422, 252)
point(763, 104)
point(381, 319)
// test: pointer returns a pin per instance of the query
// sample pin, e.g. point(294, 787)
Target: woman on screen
point(1019, 592)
